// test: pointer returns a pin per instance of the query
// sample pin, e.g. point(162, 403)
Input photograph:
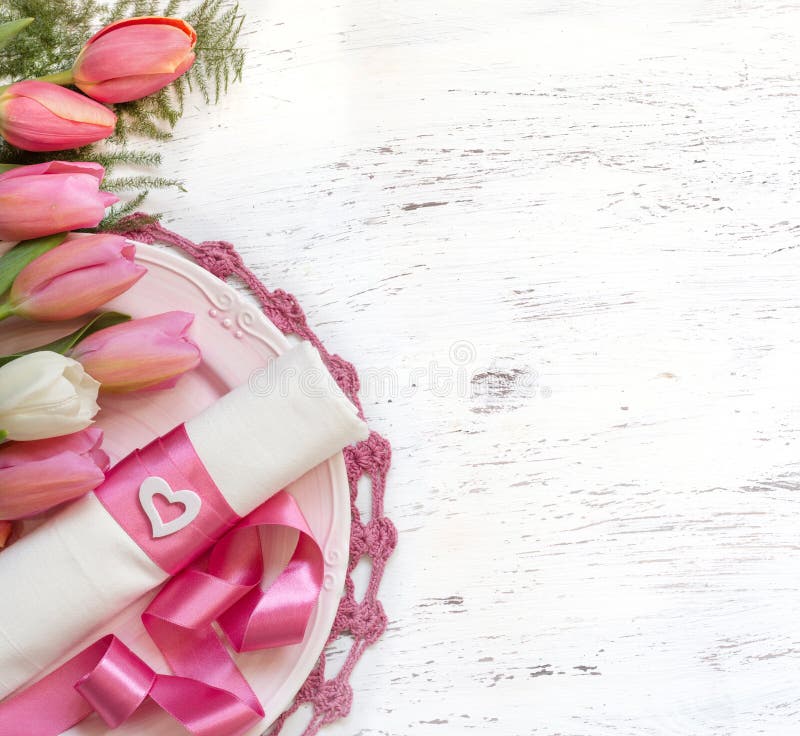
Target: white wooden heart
point(155, 486)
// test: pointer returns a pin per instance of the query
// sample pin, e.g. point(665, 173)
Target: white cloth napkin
point(78, 570)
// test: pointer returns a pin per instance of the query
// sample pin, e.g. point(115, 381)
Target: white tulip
point(45, 395)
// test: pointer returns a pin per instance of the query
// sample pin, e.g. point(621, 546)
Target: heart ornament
point(155, 486)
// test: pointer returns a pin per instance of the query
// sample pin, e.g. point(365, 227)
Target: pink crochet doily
point(363, 622)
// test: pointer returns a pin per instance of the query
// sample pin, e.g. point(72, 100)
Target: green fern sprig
point(123, 211)
point(51, 43)
point(143, 159)
point(219, 60)
point(130, 183)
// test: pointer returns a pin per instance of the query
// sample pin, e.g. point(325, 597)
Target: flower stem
point(63, 78)
point(6, 310)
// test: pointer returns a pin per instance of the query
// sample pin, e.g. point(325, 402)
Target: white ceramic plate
point(235, 338)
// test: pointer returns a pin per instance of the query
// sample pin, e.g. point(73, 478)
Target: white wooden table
point(558, 240)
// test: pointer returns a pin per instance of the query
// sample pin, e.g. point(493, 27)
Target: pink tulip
point(6, 527)
point(133, 58)
point(80, 275)
point(39, 116)
point(149, 353)
point(52, 197)
point(36, 476)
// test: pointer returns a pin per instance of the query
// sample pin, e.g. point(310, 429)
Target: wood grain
point(559, 241)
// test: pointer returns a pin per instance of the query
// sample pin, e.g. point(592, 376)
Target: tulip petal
point(26, 377)
point(133, 50)
point(35, 425)
point(41, 202)
point(173, 324)
point(28, 125)
point(162, 364)
point(38, 475)
point(107, 199)
point(86, 442)
point(147, 20)
point(68, 198)
point(45, 394)
point(79, 292)
point(40, 116)
point(64, 103)
point(6, 528)
point(149, 353)
point(81, 274)
point(56, 167)
point(124, 89)
point(26, 490)
point(133, 58)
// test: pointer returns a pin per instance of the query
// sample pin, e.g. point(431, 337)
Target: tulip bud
point(6, 527)
point(40, 116)
point(133, 58)
point(53, 197)
point(45, 395)
point(149, 353)
point(80, 275)
point(36, 476)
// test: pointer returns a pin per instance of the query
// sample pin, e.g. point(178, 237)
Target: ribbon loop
point(117, 685)
point(194, 599)
point(203, 710)
point(207, 693)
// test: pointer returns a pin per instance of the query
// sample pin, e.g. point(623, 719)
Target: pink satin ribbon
point(207, 693)
point(173, 458)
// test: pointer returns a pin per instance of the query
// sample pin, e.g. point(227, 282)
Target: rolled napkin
point(103, 552)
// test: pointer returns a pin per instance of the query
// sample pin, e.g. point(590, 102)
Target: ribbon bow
point(207, 693)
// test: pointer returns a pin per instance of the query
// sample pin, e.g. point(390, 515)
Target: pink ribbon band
point(173, 459)
point(207, 693)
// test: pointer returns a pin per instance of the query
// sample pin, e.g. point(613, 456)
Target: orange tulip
point(133, 58)
point(6, 527)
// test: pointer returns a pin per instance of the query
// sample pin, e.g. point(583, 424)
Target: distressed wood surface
point(558, 240)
